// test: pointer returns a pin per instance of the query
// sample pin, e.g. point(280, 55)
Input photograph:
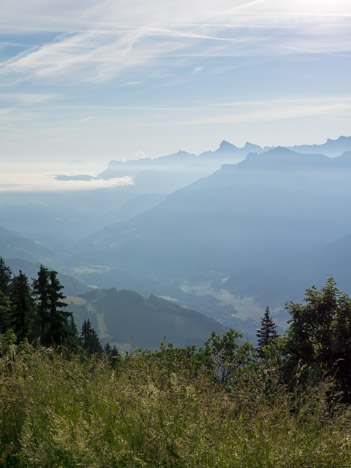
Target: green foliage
point(227, 356)
point(7, 341)
point(58, 412)
point(112, 354)
point(319, 337)
point(223, 404)
point(36, 314)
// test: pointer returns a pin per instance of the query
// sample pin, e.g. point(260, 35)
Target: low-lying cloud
point(33, 182)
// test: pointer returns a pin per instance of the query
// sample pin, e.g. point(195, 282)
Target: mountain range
point(225, 232)
point(244, 222)
point(272, 203)
point(201, 164)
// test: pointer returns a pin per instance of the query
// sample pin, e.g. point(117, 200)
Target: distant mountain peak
point(251, 146)
point(225, 145)
point(341, 138)
point(281, 150)
point(331, 147)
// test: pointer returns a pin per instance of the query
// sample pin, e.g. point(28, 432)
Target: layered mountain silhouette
point(273, 203)
point(251, 222)
point(13, 244)
point(329, 148)
point(255, 229)
point(226, 153)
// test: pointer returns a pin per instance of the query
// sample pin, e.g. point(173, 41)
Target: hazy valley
point(225, 233)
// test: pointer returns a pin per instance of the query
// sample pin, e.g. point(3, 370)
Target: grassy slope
point(70, 413)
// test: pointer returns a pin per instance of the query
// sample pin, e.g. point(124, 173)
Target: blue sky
point(98, 80)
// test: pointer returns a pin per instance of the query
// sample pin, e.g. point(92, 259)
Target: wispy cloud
point(12, 114)
point(99, 41)
point(34, 182)
point(271, 110)
point(25, 98)
point(86, 119)
point(96, 78)
point(197, 70)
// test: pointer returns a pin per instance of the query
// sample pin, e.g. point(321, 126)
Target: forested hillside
point(127, 319)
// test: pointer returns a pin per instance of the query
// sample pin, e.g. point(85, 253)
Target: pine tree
point(72, 338)
point(22, 307)
point(58, 325)
point(5, 277)
point(267, 333)
point(89, 339)
point(53, 321)
point(5, 313)
point(41, 294)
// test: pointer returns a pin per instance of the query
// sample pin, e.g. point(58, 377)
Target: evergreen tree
point(5, 313)
point(267, 333)
point(72, 339)
point(5, 277)
point(58, 325)
point(54, 327)
point(89, 339)
point(41, 294)
point(22, 307)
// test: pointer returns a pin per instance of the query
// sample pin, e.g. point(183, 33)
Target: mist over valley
point(224, 232)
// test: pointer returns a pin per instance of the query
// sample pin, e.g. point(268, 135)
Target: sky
point(88, 81)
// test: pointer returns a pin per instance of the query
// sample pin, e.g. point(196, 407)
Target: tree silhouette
point(53, 321)
point(5, 313)
point(41, 294)
point(5, 277)
point(22, 307)
point(58, 325)
point(267, 333)
point(89, 339)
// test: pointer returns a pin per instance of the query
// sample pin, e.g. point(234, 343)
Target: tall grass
point(74, 412)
